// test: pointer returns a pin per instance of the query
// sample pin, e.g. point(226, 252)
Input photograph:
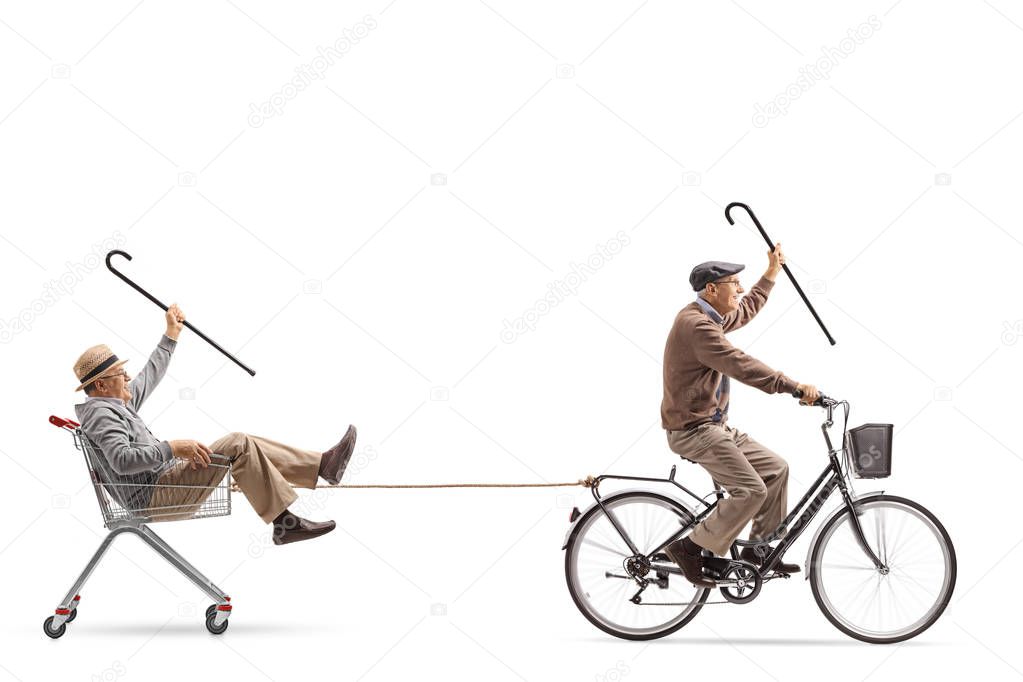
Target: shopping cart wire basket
point(128, 502)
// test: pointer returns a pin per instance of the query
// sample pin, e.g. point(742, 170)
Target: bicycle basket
point(869, 448)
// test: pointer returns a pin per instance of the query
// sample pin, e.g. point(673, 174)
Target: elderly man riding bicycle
point(698, 362)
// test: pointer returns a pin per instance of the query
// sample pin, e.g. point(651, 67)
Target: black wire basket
point(869, 448)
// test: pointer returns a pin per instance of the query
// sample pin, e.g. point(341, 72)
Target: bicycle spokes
point(633, 595)
point(903, 595)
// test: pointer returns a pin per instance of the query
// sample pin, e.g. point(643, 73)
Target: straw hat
point(97, 362)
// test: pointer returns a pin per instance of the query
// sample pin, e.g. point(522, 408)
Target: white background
point(321, 248)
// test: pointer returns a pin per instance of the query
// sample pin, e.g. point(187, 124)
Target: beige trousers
point(264, 469)
point(755, 477)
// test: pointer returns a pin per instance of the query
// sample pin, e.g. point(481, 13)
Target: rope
point(584, 482)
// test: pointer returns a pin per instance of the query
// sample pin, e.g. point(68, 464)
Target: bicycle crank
point(742, 583)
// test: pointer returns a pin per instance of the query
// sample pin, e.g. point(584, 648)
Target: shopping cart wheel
point(215, 629)
point(71, 616)
point(54, 634)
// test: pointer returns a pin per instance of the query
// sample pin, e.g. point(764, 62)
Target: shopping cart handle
point(70, 424)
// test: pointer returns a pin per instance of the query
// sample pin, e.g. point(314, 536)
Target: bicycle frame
point(788, 532)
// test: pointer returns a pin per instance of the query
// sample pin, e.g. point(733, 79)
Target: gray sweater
point(128, 457)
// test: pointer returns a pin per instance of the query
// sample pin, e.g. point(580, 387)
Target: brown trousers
point(755, 478)
point(264, 469)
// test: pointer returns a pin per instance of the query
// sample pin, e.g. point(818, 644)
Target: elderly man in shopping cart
point(698, 361)
point(171, 479)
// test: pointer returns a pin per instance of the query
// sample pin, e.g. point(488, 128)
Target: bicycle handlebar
point(822, 400)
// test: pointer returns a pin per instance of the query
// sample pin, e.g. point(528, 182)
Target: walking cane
point(788, 272)
point(136, 287)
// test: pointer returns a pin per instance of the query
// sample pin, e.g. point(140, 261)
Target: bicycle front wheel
point(600, 568)
point(877, 605)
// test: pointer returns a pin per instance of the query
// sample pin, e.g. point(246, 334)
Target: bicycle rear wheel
point(880, 606)
point(600, 582)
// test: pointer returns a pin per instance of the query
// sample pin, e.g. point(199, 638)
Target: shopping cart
point(128, 503)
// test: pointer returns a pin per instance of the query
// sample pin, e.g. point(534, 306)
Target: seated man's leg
point(259, 466)
point(181, 490)
point(711, 446)
point(298, 466)
point(774, 472)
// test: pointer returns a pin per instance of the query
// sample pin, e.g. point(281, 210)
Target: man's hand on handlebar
point(192, 451)
point(807, 394)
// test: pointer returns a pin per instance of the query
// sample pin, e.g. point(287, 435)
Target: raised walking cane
point(136, 287)
point(788, 272)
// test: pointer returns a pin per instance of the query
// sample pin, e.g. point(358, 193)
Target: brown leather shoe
point(293, 528)
point(749, 554)
point(686, 554)
point(335, 461)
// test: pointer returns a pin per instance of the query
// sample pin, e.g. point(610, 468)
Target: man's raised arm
point(752, 302)
point(148, 379)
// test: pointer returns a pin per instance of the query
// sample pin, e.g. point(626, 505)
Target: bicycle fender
point(820, 528)
point(612, 496)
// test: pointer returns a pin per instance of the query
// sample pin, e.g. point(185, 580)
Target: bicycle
point(881, 568)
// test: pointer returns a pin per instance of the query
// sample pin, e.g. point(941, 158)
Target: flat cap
point(712, 270)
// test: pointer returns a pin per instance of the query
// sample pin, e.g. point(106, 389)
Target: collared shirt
point(710, 310)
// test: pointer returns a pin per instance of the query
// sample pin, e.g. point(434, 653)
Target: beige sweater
point(696, 355)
